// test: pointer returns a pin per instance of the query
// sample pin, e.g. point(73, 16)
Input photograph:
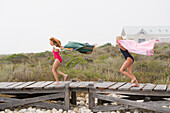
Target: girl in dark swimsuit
point(127, 64)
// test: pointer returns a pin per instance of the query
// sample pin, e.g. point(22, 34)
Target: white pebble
point(136, 111)
point(117, 111)
point(139, 100)
point(81, 103)
point(75, 109)
point(99, 112)
point(71, 111)
point(22, 110)
point(7, 110)
point(80, 98)
point(54, 110)
point(48, 111)
point(2, 112)
point(95, 101)
point(113, 112)
point(105, 104)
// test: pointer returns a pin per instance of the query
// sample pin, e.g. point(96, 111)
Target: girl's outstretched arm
point(56, 48)
point(121, 46)
point(61, 47)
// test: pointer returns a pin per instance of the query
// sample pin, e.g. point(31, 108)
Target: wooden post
point(73, 95)
point(67, 97)
point(91, 98)
point(99, 101)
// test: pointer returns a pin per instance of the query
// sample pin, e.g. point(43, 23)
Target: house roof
point(162, 30)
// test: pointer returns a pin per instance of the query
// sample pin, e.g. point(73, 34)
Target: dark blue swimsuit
point(126, 54)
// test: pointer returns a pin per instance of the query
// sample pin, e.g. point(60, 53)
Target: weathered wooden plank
point(5, 99)
point(4, 85)
point(39, 85)
point(38, 104)
point(44, 84)
point(156, 108)
point(14, 85)
point(103, 85)
point(75, 84)
point(148, 87)
point(22, 86)
point(36, 84)
point(160, 88)
point(126, 86)
point(85, 84)
point(161, 103)
point(81, 84)
point(67, 97)
point(110, 108)
point(91, 99)
point(47, 105)
point(61, 85)
point(137, 88)
point(32, 91)
point(168, 88)
point(31, 100)
point(137, 93)
point(117, 85)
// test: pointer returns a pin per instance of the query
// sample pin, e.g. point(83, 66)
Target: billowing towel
point(143, 48)
point(81, 47)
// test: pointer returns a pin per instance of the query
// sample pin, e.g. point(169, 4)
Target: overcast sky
point(27, 25)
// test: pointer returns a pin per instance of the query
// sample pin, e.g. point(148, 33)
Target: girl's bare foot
point(133, 80)
point(135, 85)
point(65, 77)
point(56, 83)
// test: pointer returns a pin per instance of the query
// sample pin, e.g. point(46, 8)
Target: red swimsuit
point(57, 56)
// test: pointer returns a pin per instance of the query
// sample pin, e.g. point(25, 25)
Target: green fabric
point(81, 47)
point(74, 45)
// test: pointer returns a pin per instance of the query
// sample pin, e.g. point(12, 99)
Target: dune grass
point(104, 63)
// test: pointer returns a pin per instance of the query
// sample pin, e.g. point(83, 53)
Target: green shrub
point(75, 61)
point(166, 46)
point(105, 45)
point(166, 52)
point(161, 57)
point(43, 54)
point(102, 58)
point(17, 58)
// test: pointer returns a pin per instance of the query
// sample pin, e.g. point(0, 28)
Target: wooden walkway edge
point(37, 93)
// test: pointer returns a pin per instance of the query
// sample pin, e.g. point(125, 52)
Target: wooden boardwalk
point(36, 93)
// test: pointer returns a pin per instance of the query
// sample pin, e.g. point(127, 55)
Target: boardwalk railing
point(38, 93)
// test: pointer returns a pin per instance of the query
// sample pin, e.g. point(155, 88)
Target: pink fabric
point(143, 48)
point(57, 56)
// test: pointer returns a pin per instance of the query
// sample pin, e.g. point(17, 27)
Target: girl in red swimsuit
point(58, 60)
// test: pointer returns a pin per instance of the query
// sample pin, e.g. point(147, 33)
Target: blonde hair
point(119, 38)
point(56, 41)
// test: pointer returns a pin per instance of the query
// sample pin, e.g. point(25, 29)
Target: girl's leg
point(60, 73)
point(55, 67)
point(130, 72)
point(126, 64)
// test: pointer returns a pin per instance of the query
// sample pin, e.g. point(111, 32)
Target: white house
point(144, 33)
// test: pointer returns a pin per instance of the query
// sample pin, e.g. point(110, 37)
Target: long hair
point(119, 38)
point(56, 41)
